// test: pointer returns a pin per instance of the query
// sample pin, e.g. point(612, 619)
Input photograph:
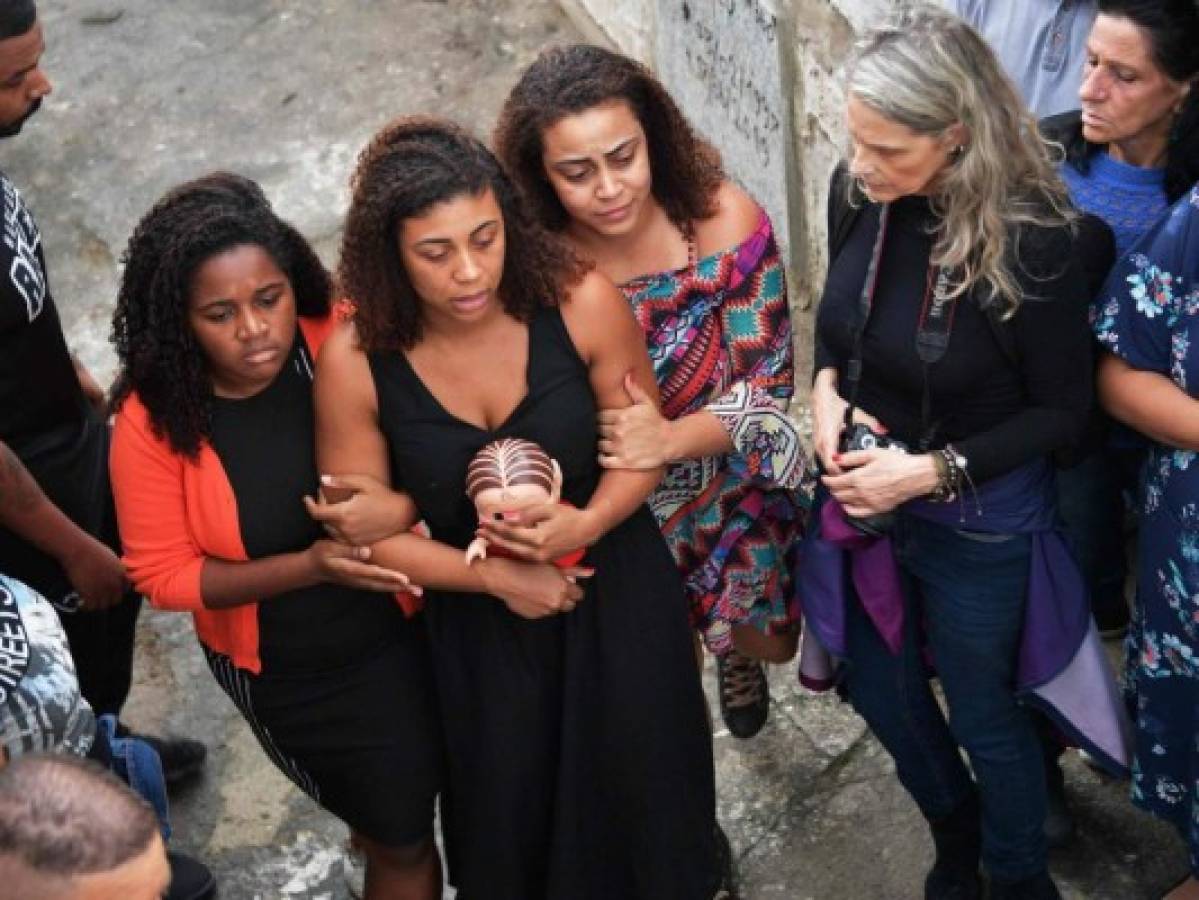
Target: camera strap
point(865, 302)
point(932, 340)
point(933, 329)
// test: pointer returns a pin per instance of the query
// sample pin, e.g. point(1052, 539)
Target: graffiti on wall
point(721, 60)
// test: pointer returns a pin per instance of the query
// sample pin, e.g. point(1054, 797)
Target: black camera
point(861, 437)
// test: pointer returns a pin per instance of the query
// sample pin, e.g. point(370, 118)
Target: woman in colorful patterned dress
point(609, 161)
point(1149, 321)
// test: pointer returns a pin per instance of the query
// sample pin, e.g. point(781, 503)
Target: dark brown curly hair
point(410, 166)
point(564, 81)
point(159, 355)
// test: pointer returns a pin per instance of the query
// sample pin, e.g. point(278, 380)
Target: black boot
point(190, 879)
point(744, 694)
point(1035, 887)
point(958, 838)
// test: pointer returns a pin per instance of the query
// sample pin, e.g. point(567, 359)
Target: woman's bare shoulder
point(342, 365)
point(737, 215)
point(341, 346)
point(591, 300)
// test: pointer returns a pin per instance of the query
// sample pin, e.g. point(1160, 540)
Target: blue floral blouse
point(1148, 314)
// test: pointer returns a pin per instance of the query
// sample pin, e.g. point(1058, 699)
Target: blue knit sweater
point(1128, 198)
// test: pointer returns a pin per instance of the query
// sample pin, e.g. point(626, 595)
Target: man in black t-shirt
point(52, 423)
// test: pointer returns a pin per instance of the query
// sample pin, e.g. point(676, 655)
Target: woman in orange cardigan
point(221, 311)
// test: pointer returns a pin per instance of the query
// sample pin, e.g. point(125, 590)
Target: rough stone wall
point(625, 24)
point(821, 33)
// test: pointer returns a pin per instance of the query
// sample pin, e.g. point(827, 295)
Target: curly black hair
point(563, 81)
point(159, 355)
point(411, 165)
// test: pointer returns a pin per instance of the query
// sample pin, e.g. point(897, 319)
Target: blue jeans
point(966, 592)
point(136, 763)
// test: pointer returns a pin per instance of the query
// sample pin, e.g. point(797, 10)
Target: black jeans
point(1091, 505)
point(102, 646)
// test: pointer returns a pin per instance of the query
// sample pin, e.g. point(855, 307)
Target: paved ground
point(149, 93)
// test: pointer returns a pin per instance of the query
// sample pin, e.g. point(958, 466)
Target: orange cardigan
point(175, 512)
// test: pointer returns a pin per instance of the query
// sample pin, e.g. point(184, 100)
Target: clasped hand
point(359, 510)
point(828, 421)
point(534, 590)
point(878, 480)
point(864, 482)
point(542, 533)
point(350, 566)
point(634, 437)
point(96, 574)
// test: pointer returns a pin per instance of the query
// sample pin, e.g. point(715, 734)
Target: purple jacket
point(1062, 668)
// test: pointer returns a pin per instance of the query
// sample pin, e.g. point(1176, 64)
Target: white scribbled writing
point(22, 238)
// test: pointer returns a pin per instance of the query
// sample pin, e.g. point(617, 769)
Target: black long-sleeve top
point(997, 411)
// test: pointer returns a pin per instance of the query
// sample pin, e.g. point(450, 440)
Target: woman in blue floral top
point(1149, 321)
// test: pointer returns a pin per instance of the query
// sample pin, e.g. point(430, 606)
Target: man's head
point(70, 831)
point(22, 82)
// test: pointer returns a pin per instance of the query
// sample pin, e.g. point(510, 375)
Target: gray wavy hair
point(928, 70)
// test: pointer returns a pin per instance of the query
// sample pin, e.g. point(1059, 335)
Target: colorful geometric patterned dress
point(1149, 316)
point(719, 335)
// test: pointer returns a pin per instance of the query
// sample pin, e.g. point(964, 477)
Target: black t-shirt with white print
point(44, 416)
point(39, 391)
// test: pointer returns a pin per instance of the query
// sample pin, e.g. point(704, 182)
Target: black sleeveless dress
point(580, 756)
point(345, 704)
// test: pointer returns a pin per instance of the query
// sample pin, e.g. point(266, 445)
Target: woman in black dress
point(222, 308)
point(580, 765)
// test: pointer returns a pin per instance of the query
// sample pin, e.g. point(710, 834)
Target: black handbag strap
point(932, 335)
point(865, 302)
point(843, 214)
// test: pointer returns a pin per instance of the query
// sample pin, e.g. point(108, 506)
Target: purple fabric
point(873, 571)
point(817, 667)
point(751, 251)
point(1061, 659)
point(1085, 703)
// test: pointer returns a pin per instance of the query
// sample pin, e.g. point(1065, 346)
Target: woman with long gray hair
point(951, 362)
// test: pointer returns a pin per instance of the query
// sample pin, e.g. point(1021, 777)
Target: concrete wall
point(816, 37)
point(627, 25)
